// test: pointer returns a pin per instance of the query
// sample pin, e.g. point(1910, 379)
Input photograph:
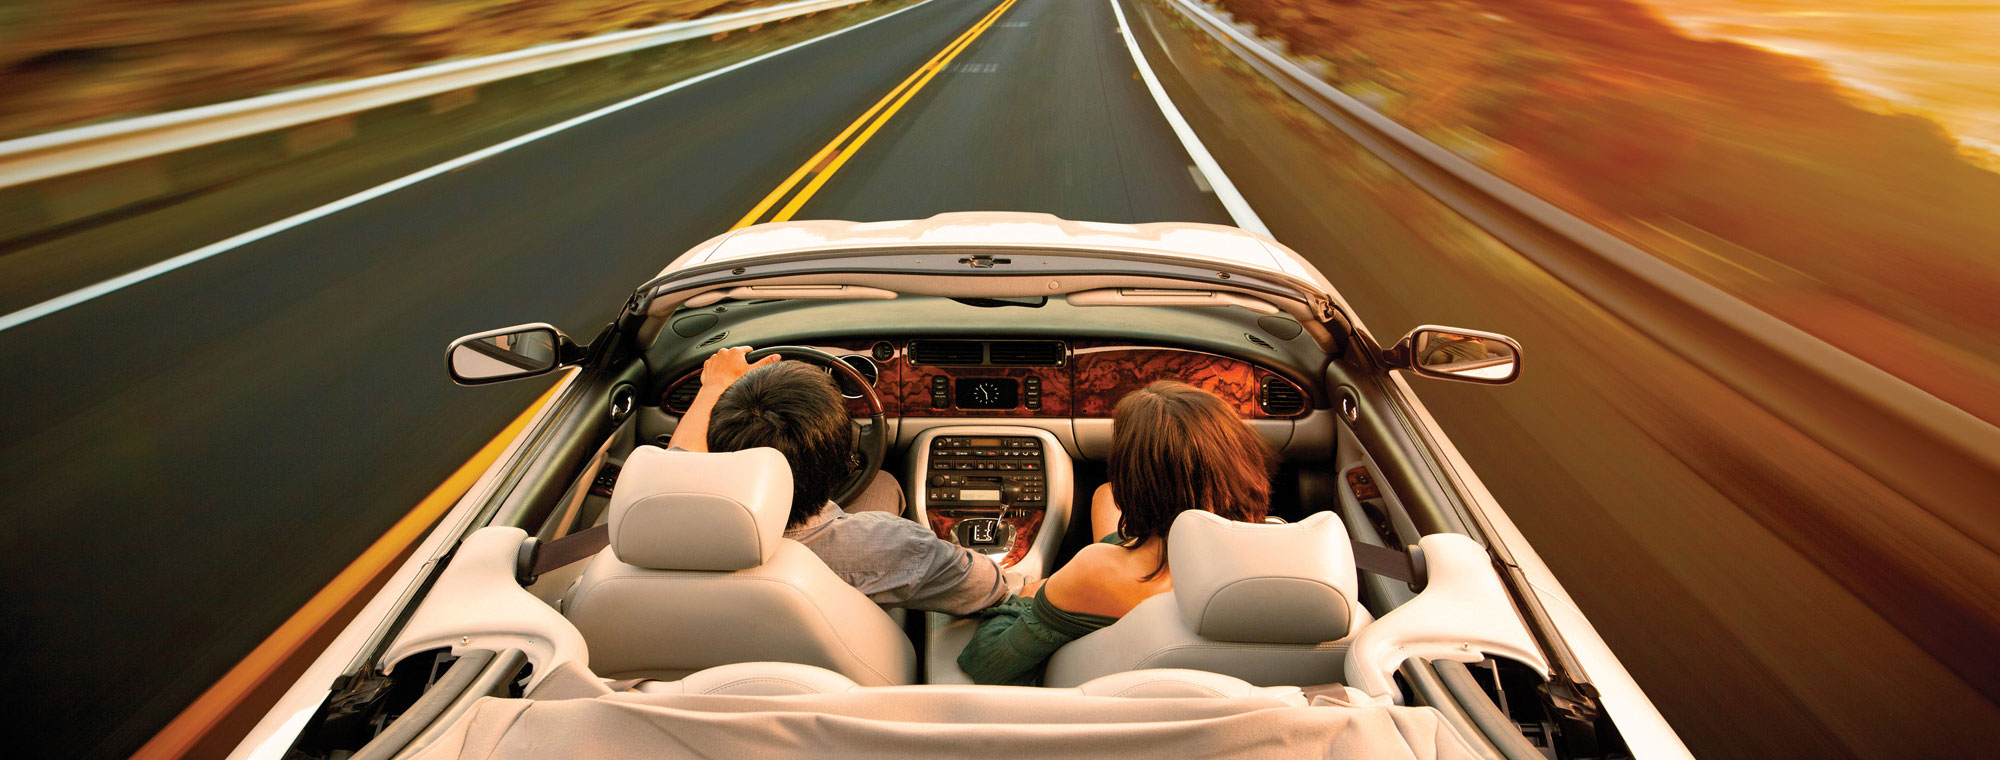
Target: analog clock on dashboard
point(988, 393)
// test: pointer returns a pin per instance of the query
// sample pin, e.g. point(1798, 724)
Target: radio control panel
point(986, 473)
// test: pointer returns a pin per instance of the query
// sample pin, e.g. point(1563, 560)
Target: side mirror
point(1451, 353)
point(509, 353)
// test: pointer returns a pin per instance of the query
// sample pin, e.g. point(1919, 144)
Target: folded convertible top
point(920, 722)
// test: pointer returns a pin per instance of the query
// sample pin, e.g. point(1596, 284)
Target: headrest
point(679, 510)
point(1269, 584)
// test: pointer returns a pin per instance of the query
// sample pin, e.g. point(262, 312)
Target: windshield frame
point(1005, 262)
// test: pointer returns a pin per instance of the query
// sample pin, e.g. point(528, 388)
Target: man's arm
point(717, 373)
point(952, 578)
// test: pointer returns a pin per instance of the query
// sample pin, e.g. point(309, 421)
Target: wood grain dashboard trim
point(1103, 373)
point(1089, 384)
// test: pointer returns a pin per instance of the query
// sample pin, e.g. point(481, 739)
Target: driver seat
point(698, 574)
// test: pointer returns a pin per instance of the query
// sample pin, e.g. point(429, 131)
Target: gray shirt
point(898, 563)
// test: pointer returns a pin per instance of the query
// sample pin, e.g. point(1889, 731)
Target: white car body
point(1641, 725)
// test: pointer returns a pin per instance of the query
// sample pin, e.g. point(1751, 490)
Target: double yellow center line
point(829, 159)
point(276, 651)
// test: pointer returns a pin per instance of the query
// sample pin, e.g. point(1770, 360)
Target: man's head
point(794, 408)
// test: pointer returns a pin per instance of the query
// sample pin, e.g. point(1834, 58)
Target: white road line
point(143, 274)
point(1155, 29)
point(1225, 191)
point(1200, 182)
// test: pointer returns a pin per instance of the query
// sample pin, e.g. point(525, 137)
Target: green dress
point(1016, 637)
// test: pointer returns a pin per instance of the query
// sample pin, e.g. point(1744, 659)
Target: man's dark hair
point(794, 408)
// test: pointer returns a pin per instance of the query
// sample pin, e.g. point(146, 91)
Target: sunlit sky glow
point(1939, 59)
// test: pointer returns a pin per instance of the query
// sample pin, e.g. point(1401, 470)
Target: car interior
point(993, 416)
point(997, 425)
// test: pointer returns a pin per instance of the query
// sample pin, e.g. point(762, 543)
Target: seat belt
point(572, 548)
point(1385, 562)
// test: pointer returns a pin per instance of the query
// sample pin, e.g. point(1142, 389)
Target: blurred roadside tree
point(68, 62)
point(1833, 215)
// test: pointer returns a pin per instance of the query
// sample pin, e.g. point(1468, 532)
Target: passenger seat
point(1269, 604)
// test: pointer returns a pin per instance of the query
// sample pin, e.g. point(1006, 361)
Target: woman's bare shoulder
point(1098, 580)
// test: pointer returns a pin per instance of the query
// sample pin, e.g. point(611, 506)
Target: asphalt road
point(187, 460)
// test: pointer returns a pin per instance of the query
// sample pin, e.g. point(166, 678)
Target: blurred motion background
point(1834, 163)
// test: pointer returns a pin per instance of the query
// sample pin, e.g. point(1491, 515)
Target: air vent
point(947, 352)
point(1256, 340)
point(1279, 398)
point(681, 396)
point(714, 339)
point(1025, 353)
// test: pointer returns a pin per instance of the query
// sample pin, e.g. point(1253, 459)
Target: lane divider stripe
point(929, 72)
point(820, 157)
point(1225, 191)
point(82, 295)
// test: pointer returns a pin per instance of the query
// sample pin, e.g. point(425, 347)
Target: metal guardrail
point(1931, 452)
point(70, 151)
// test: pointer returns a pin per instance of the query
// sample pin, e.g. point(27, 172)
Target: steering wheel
point(872, 442)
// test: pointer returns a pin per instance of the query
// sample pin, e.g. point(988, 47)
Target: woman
point(1174, 447)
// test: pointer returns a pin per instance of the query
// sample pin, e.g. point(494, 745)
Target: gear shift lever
point(1007, 496)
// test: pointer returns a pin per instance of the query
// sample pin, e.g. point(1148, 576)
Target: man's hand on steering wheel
point(726, 366)
point(718, 372)
point(872, 443)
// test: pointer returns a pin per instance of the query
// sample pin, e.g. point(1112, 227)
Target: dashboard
point(1035, 378)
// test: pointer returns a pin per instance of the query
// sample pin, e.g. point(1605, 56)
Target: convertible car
point(591, 596)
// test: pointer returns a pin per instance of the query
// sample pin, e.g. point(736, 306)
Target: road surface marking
point(1225, 191)
point(819, 180)
point(1200, 182)
point(72, 298)
point(1155, 29)
point(973, 68)
point(221, 699)
point(827, 155)
point(829, 159)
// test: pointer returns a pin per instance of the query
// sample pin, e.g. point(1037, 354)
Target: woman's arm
point(1009, 647)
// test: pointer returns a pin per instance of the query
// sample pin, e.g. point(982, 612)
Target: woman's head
point(1175, 447)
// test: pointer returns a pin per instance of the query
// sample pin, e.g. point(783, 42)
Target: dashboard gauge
point(860, 364)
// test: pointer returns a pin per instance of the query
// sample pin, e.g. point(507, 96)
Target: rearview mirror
point(1451, 353)
point(509, 353)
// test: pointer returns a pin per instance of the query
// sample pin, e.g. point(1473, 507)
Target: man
point(796, 409)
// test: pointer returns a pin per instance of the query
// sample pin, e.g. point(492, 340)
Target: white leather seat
point(699, 574)
point(1269, 604)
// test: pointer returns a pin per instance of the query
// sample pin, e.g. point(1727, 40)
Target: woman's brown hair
point(1175, 447)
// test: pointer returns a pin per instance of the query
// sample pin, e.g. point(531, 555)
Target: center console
point(1000, 490)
